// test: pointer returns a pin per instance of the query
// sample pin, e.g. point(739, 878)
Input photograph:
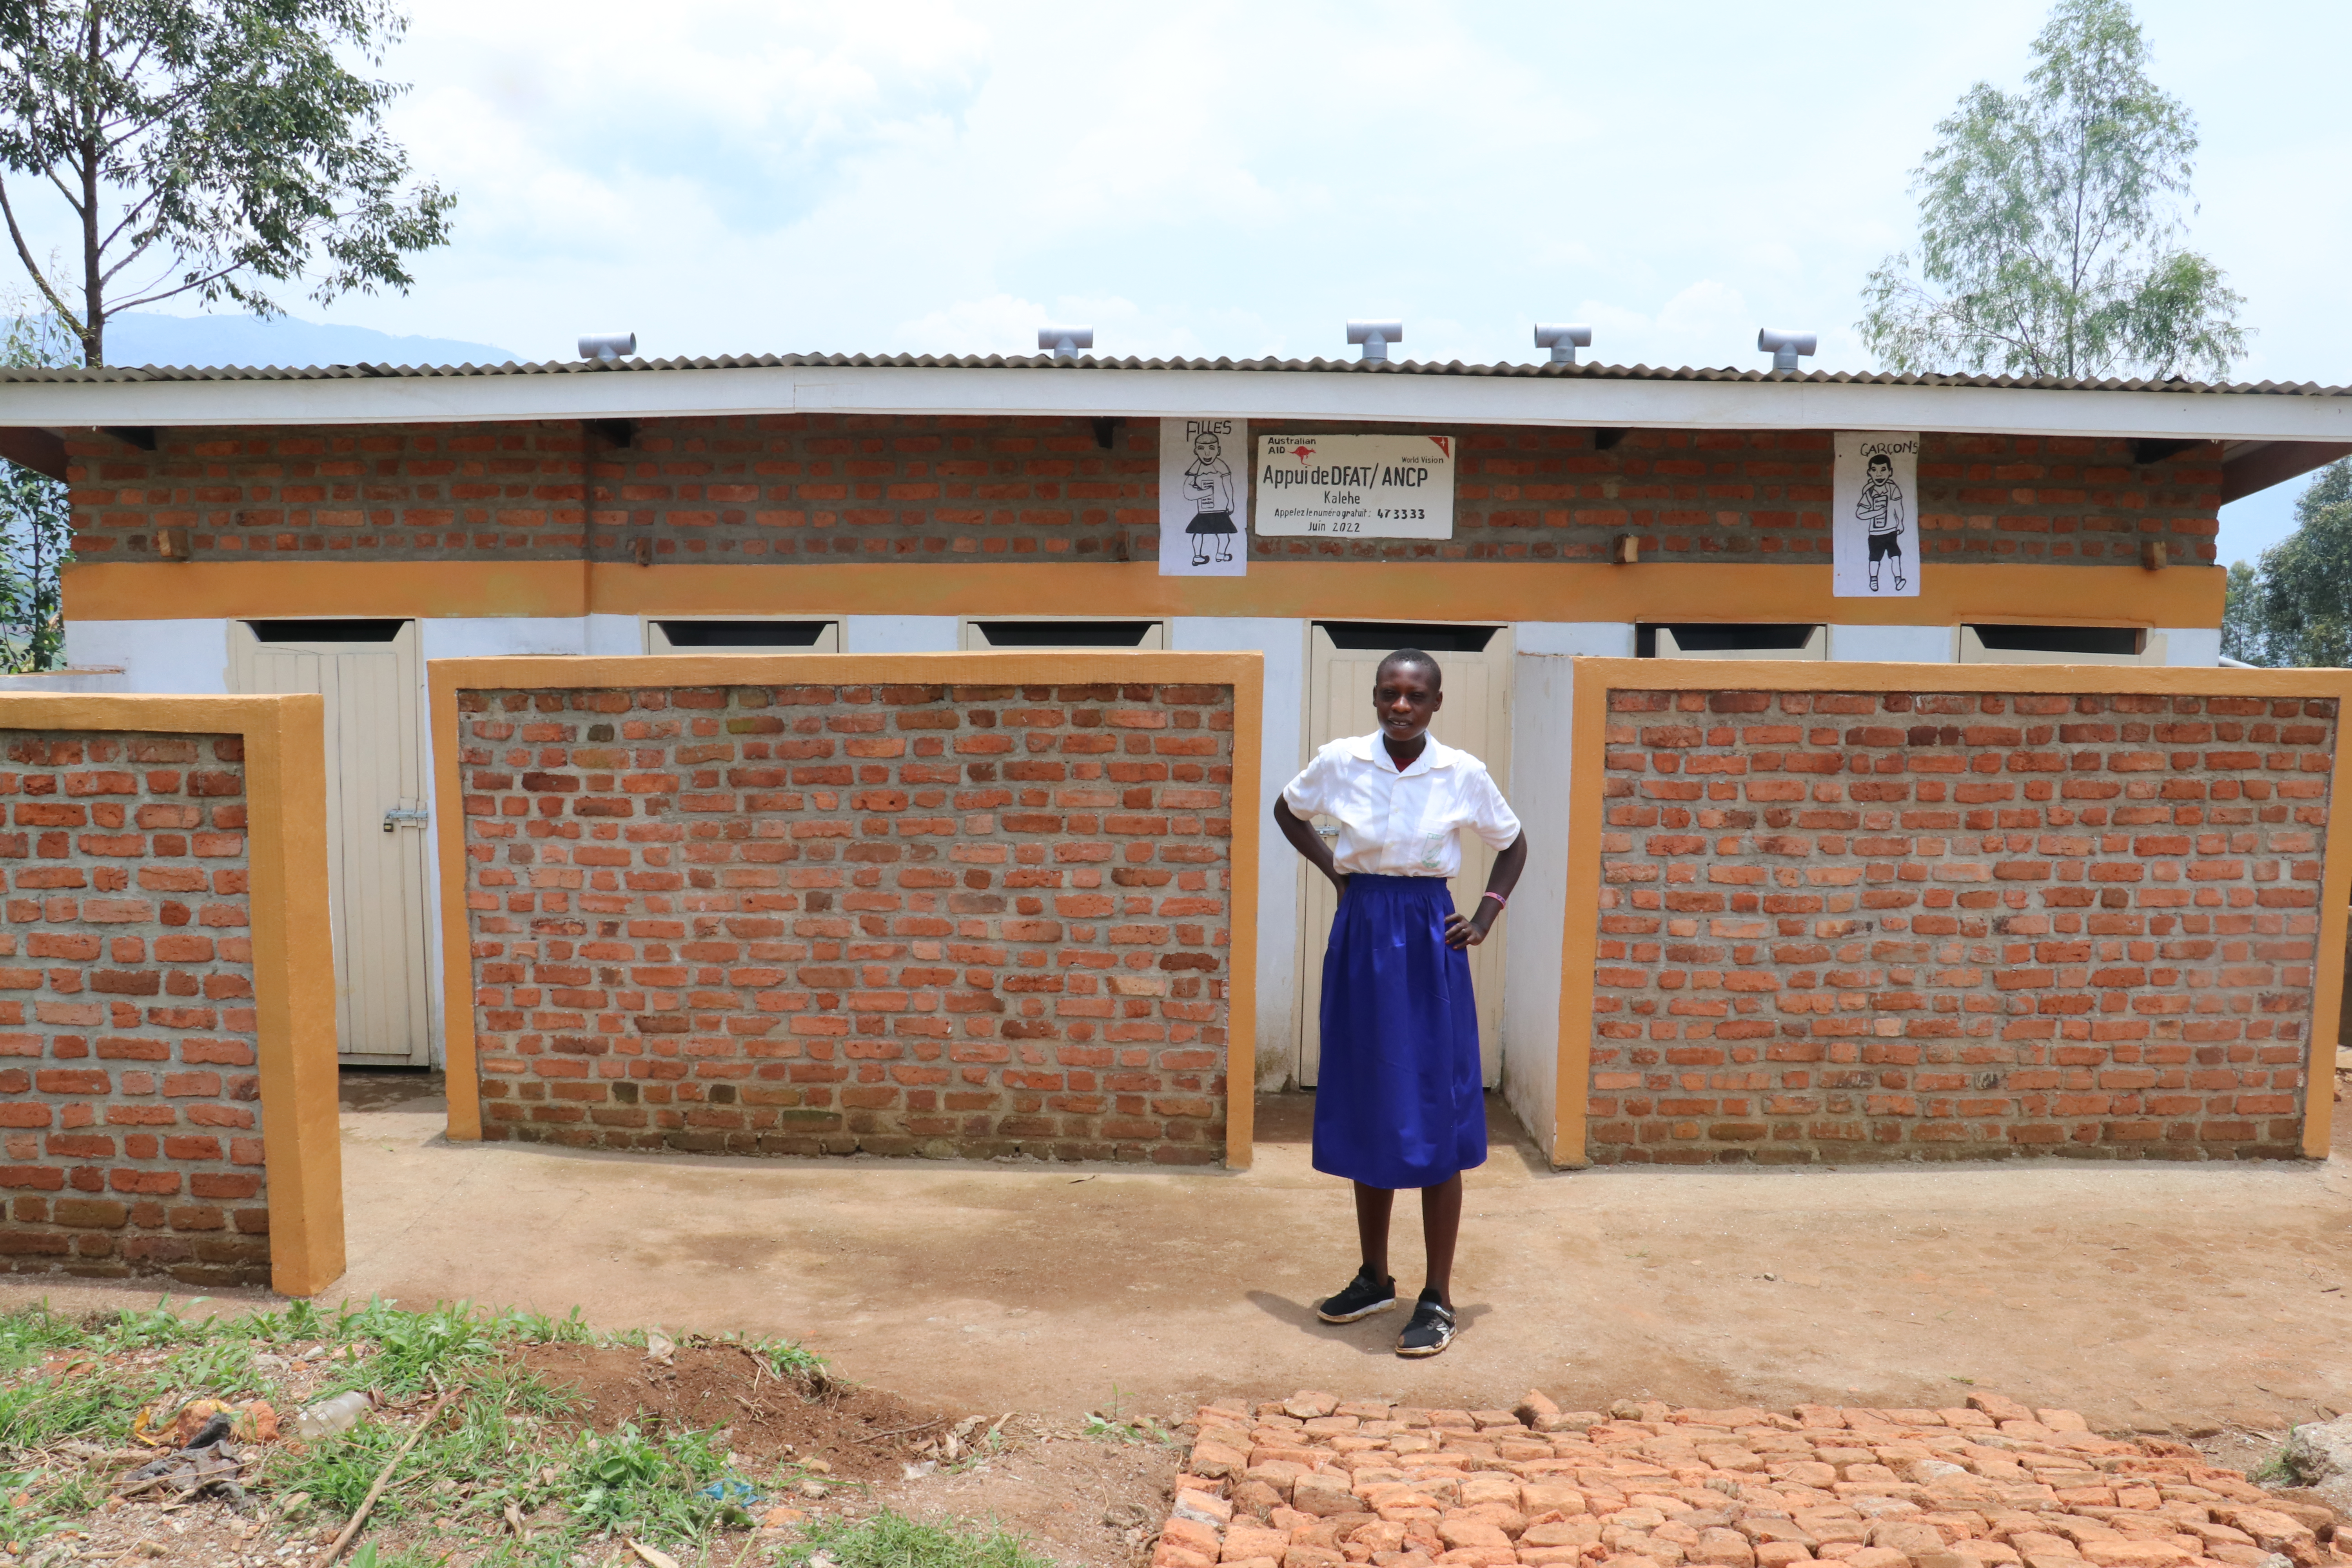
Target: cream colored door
point(367, 670)
point(1477, 718)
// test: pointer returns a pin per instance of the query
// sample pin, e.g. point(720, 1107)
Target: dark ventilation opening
point(1065, 634)
point(1716, 637)
point(742, 634)
point(2125, 640)
point(1387, 637)
point(326, 630)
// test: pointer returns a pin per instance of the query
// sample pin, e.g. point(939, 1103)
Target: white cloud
point(744, 175)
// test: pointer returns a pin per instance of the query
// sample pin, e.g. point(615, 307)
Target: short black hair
point(1414, 656)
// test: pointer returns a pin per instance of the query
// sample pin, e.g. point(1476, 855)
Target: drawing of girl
point(1209, 485)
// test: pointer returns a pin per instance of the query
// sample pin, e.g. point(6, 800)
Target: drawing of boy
point(1880, 506)
point(1209, 485)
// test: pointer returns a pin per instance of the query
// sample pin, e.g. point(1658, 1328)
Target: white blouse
point(1402, 823)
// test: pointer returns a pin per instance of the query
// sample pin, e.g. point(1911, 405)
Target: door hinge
point(1326, 832)
point(406, 816)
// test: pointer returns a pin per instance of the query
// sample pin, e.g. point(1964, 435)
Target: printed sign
point(1875, 516)
point(1362, 487)
point(1204, 498)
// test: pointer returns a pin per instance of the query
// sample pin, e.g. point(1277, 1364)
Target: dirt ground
point(2184, 1299)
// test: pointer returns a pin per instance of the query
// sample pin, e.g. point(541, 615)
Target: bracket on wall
point(2149, 450)
point(2153, 554)
point(615, 432)
point(642, 549)
point(1606, 436)
point(172, 545)
point(1105, 429)
point(1625, 549)
point(139, 436)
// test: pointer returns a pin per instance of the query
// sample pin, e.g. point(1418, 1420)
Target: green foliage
point(36, 521)
point(650, 1487)
point(2049, 221)
point(2295, 608)
point(505, 1440)
point(891, 1540)
point(208, 148)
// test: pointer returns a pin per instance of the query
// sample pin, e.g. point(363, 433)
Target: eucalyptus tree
point(2049, 225)
point(206, 151)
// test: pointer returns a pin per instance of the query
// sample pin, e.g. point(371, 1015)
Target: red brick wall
point(784, 488)
point(129, 1108)
point(907, 919)
point(1854, 925)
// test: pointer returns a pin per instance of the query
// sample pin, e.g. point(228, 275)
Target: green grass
point(889, 1539)
point(505, 1440)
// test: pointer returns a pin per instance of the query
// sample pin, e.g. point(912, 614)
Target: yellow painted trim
point(293, 947)
point(1355, 590)
point(1244, 672)
point(1597, 677)
point(228, 590)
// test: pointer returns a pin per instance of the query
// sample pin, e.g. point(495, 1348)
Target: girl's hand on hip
point(1467, 931)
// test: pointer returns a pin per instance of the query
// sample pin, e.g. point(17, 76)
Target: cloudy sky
point(723, 175)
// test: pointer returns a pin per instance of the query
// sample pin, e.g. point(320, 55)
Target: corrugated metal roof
point(135, 374)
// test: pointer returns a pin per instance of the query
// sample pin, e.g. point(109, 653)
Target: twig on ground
point(902, 1431)
point(382, 1478)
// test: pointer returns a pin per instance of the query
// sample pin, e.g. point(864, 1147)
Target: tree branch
point(25, 254)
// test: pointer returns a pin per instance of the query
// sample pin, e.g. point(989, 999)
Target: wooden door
point(1477, 718)
point(376, 817)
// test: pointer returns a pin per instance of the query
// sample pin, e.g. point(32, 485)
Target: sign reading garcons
point(1359, 487)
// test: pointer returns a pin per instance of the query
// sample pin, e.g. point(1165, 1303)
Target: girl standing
point(1400, 1102)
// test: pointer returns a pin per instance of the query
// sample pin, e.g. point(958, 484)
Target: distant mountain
point(142, 339)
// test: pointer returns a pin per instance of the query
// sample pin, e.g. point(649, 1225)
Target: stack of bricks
point(130, 1105)
point(945, 921)
point(1316, 1482)
point(819, 489)
point(1855, 925)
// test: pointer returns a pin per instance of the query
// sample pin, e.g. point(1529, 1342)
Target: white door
point(1477, 718)
point(367, 670)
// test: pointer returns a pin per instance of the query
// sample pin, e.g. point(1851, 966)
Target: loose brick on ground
point(1990, 1484)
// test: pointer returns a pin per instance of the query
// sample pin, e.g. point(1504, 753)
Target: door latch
point(1327, 832)
point(406, 816)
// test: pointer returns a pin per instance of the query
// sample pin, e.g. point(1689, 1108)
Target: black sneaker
point(1362, 1298)
point(1431, 1330)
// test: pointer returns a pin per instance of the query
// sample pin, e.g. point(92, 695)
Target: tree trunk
point(93, 287)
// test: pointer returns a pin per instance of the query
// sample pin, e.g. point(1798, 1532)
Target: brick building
point(2082, 869)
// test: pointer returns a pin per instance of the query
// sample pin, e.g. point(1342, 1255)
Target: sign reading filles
point(1359, 487)
point(1204, 498)
point(1875, 516)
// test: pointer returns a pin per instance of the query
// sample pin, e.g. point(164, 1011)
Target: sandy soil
point(2181, 1300)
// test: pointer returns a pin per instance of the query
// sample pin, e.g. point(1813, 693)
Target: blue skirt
point(1400, 1102)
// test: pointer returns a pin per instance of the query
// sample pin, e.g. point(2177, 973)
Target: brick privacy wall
point(784, 488)
point(1844, 926)
point(969, 920)
point(129, 1101)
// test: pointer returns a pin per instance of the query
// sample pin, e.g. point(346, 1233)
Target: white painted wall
point(2198, 647)
point(612, 637)
point(898, 634)
point(1893, 644)
point(1542, 694)
point(181, 657)
point(1281, 736)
